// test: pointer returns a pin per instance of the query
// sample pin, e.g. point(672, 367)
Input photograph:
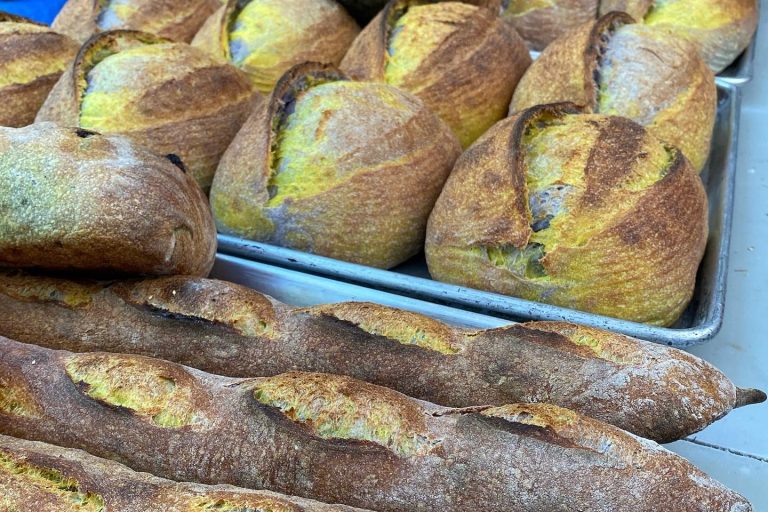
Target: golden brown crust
point(177, 20)
point(454, 81)
point(110, 206)
point(653, 391)
point(540, 23)
point(615, 67)
point(390, 180)
point(32, 58)
point(721, 29)
point(326, 40)
point(639, 262)
point(49, 478)
point(192, 109)
point(302, 439)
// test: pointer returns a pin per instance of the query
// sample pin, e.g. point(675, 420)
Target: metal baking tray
point(300, 289)
point(700, 322)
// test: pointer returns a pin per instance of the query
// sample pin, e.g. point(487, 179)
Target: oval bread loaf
point(340, 440)
point(75, 200)
point(653, 391)
point(46, 478)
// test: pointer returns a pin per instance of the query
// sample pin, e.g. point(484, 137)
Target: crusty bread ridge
point(47, 478)
point(651, 390)
point(302, 433)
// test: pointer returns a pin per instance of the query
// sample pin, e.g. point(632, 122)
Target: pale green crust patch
point(15, 400)
point(539, 415)
point(337, 407)
point(137, 384)
point(22, 475)
point(242, 504)
point(401, 326)
point(606, 345)
point(28, 288)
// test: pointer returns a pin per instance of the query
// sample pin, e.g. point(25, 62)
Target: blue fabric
point(39, 10)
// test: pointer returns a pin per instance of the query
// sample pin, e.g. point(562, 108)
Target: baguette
point(339, 440)
point(46, 478)
point(653, 391)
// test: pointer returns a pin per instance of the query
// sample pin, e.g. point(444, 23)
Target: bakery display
point(302, 432)
point(32, 59)
point(177, 20)
point(265, 38)
point(653, 391)
point(585, 211)
point(460, 59)
point(76, 200)
point(722, 29)
point(168, 97)
point(335, 167)
point(47, 478)
point(614, 66)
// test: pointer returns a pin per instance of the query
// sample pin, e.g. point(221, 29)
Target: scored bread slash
point(224, 328)
point(303, 433)
point(47, 478)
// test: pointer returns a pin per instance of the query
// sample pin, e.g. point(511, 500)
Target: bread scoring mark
point(338, 407)
point(30, 288)
point(203, 301)
point(611, 347)
point(15, 399)
point(401, 326)
point(539, 421)
point(213, 502)
point(16, 473)
point(148, 388)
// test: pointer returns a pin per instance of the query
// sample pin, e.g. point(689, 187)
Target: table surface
point(735, 449)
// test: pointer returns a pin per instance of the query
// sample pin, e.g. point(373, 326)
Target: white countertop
point(735, 449)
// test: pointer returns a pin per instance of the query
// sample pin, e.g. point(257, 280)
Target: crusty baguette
point(41, 477)
point(653, 391)
point(340, 440)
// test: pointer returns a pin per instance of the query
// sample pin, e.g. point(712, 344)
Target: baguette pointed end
point(747, 396)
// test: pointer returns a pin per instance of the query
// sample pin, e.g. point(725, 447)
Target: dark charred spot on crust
point(600, 37)
point(544, 434)
point(84, 134)
point(175, 160)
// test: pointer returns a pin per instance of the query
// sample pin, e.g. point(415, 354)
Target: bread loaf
point(42, 477)
point(584, 211)
point(265, 38)
point(169, 97)
point(650, 390)
point(330, 166)
point(461, 60)
point(339, 440)
point(32, 58)
point(76, 200)
point(178, 20)
point(615, 66)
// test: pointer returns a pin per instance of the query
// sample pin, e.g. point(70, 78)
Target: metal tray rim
point(495, 304)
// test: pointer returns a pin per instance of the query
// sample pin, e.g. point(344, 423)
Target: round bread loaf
point(585, 211)
point(31, 61)
point(82, 201)
point(265, 38)
point(177, 20)
point(460, 59)
point(168, 97)
point(722, 29)
point(616, 67)
point(339, 168)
